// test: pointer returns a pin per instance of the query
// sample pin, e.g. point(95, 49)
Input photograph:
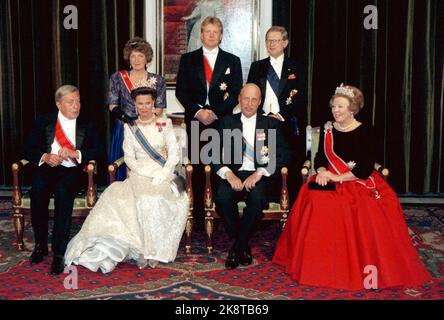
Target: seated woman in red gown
point(355, 236)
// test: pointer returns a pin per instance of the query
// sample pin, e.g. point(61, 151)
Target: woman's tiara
point(344, 91)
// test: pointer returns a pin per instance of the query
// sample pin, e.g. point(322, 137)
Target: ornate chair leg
point(19, 222)
point(209, 225)
point(188, 232)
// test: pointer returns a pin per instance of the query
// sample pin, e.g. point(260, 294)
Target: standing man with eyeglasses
point(284, 91)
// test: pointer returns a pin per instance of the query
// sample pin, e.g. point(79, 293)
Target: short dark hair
point(140, 45)
point(144, 91)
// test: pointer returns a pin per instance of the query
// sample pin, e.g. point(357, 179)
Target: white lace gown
point(139, 218)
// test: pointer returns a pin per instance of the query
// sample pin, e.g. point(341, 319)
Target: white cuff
point(280, 117)
point(263, 171)
point(223, 172)
point(41, 160)
point(198, 111)
point(79, 158)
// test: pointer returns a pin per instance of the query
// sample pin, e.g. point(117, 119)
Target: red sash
point(63, 140)
point(338, 165)
point(208, 70)
point(126, 80)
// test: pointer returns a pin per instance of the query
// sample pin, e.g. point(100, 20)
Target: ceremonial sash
point(147, 146)
point(337, 164)
point(248, 150)
point(126, 80)
point(63, 140)
point(273, 80)
point(208, 70)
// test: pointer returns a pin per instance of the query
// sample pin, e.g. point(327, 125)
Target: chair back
point(312, 145)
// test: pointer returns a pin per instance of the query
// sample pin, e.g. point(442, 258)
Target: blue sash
point(248, 150)
point(273, 80)
point(147, 146)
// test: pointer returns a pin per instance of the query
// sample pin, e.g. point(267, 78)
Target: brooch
point(160, 126)
point(265, 158)
point(290, 98)
point(152, 82)
point(351, 165)
point(292, 76)
point(223, 86)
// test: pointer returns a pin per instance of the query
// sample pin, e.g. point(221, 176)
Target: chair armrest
point(284, 191)
point(17, 192)
point(305, 171)
point(91, 193)
point(112, 168)
point(382, 170)
point(189, 183)
point(208, 193)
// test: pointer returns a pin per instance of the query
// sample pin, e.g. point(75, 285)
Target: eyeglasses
point(273, 41)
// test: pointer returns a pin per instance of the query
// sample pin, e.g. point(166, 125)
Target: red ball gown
point(354, 237)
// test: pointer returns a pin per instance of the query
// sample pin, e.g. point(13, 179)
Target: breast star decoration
point(265, 157)
point(290, 98)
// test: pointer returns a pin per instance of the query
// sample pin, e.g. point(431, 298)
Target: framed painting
point(178, 31)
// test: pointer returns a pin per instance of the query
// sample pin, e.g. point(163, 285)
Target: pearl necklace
point(347, 127)
point(149, 121)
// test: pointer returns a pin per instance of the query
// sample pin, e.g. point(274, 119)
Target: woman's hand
point(323, 176)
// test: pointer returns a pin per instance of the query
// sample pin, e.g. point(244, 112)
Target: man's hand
point(52, 160)
point(203, 116)
point(276, 116)
point(212, 117)
point(66, 153)
point(251, 181)
point(234, 181)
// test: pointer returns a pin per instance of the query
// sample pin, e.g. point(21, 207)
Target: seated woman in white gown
point(141, 218)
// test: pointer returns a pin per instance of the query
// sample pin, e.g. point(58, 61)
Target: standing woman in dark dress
point(138, 53)
point(339, 238)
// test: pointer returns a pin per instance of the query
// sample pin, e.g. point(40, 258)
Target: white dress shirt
point(249, 134)
point(271, 102)
point(211, 56)
point(69, 127)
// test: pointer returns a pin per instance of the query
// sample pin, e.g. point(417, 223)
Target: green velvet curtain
point(399, 67)
point(38, 55)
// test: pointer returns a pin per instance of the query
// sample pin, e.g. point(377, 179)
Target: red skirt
point(349, 239)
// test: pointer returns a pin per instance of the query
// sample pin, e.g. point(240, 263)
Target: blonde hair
point(356, 103)
point(212, 20)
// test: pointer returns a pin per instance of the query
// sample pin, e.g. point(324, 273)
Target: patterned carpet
point(202, 276)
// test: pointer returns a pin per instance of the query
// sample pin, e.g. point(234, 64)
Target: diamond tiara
point(344, 91)
point(150, 83)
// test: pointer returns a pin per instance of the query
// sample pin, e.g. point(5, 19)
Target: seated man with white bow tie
point(284, 91)
point(208, 84)
point(257, 151)
point(59, 145)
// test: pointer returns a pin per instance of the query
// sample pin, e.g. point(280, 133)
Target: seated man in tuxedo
point(59, 145)
point(283, 87)
point(208, 85)
point(253, 149)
